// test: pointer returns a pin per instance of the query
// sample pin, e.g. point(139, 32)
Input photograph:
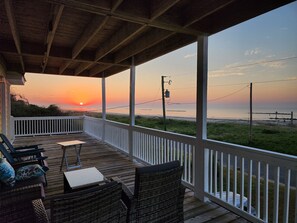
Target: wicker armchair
point(158, 194)
point(22, 205)
point(96, 204)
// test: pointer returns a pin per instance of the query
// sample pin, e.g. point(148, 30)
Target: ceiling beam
point(58, 10)
point(90, 32)
point(155, 37)
point(195, 15)
point(14, 30)
point(61, 53)
point(147, 40)
point(128, 32)
point(161, 6)
point(92, 29)
point(124, 34)
point(95, 8)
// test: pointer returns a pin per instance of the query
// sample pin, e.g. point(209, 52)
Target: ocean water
point(217, 111)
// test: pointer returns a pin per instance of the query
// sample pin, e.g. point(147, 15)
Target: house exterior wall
point(4, 106)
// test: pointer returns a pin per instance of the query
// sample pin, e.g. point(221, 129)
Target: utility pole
point(165, 94)
point(163, 102)
point(251, 110)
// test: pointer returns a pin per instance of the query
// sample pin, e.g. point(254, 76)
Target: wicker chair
point(22, 205)
point(158, 194)
point(96, 204)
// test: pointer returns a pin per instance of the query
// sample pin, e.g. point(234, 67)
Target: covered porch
point(102, 38)
point(113, 163)
point(256, 185)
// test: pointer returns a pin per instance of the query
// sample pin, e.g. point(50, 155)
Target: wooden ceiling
point(97, 38)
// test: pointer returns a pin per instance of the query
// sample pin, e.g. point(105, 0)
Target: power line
point(141, 103)
point(261, 62)
point(228, 94)
point(177, 103)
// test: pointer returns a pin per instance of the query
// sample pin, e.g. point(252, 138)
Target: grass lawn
point(278, 138)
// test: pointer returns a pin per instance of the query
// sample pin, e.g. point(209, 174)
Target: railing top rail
point(117, 123)
point(167, 135)
point(273, 158)
point(48, 117)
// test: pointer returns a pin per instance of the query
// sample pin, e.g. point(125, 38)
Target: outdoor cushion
point(29, 171)
point(7, 174)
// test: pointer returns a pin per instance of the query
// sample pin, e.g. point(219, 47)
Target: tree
point(20, 107)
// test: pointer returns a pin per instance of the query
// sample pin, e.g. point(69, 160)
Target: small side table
point(76, 144)
point(81, 179)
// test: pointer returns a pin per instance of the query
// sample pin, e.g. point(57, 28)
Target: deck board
point(112, 163)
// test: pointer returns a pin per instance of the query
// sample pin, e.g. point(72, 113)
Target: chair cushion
point(7, 174)
point(29, 171)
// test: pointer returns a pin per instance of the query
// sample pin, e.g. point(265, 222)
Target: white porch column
point(132, 107)
point(201, 154)
point(103, 107)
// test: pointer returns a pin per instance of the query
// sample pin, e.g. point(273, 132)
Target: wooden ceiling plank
point(97, 70)
point(124, 34)
point(146, 41)
point(90, 32)
point(161, 6)
point(115, 5)
point(36, 50)
point(14, 30)
point(63, 67)
point(81, 68)
point(51, 34)
point(92, 8)
point(201, 14)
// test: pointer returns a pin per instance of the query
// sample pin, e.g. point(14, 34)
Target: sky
point(262, 51)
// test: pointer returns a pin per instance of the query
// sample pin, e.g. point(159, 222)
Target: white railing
point(256, 184)
point(155, 147)
point(93, 127)
point(31, 126)
point(117, 135)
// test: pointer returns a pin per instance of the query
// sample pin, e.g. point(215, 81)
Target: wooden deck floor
point(113, 163)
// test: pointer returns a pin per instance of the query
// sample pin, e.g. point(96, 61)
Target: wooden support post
point(201, 156)
point(132, 107)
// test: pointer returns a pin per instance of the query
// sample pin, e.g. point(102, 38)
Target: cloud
point(271, 55)
point(252, 52)
point(274, 64)
point(222, 73)
point(190, 55)
point(228, 71)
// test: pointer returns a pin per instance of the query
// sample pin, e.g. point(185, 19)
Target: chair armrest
point(123, 213)
point(27, 153)
point(17, 165)
point(27, 147)
point(127, 195)
point(39, 211)
point(17, 195)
